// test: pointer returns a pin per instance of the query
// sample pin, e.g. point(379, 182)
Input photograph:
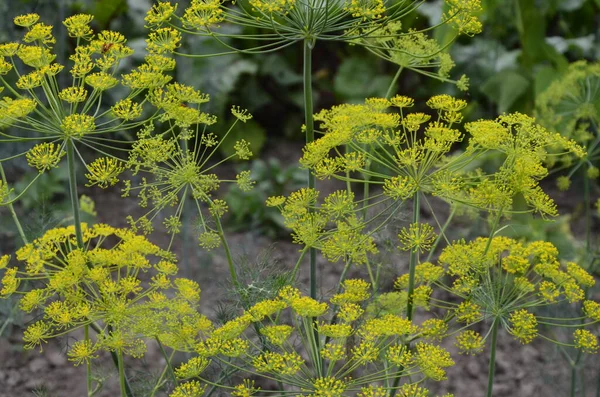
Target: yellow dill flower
point(468, 312)
point(585, 341)
point(240, 114)
point(82, 352)
point(580, 275)
point(328, 387)
point(163, 40)
point(9, 49)
point(159, 14)
point(434, 329)
point(203, 13)
point(101, 81)
point(26, 20)
point(355, 290)
point(160, 63)
point(30, 81)
point(73, 94)
point(432, 360)
point(418, 237)
point(44, 156)
point(36, 334)
point(126, 109)
point(366, 9)
point(273, 6)
point(40, 32)
point(592, 310)
point(469, 342)
point(335, 331)
point(244, 181)
point(401, 101)
point(350, 312)
point(34, 56)
point(399, 355)
point(78, 26)
point(334, 351)
point(192, 368)
point(399, 187)
point(275, 201)
point(78, 125)
point(372, 391)
point(209, 240)
point(412, 390)
point(523, 326)
point(280, 364)
point(266, 308)
point(305, 306)
point(463, 15)
point(277, 334)
point(4, 260)
point(104, 172)
point(5, 67)
point(188, 389)
point(245, 389)
point(242, 149)
point(365, 352)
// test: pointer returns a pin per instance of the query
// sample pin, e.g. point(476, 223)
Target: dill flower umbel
point(379, 345)
point(75, 287)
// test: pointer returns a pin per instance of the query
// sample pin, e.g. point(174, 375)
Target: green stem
point(442, 233)
point(88, 369)
point(492, 366)
point(168, 359)
point(413, 261)
point(232, 271)
point(310, 137)
point(392, 86)
point(122, 382)
point(73, 191)
point(115, 359)
point(588, 215)
point(11, 208)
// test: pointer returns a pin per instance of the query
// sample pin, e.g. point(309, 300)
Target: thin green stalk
point(588, 215)
point(73, 191)
point(11, 208)
point(442, 233)
point(310, 137)
point(167, 368)
point(168, 359)
point(88, 365)
point(392, 86)
point(115, 359)
point(232, 271)
point(122, 382)
point(492, 365)
point(413, 261)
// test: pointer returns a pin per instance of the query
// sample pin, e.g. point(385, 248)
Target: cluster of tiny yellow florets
point(100, 283)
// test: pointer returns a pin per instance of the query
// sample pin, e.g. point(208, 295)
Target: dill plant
point(360, 341)
point(373, 24)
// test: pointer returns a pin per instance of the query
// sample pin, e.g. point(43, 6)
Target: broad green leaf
point(505, 88)
point(357, 79)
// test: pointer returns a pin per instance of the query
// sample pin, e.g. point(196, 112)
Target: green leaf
point(276, 67)
point(357, 79)
point(543, 77)
point(105, 10)
point(505, 88)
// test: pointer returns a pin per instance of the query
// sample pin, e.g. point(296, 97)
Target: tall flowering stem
point(492, 365)
point(414, 259)
point(310, 137)
point(73, 192)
